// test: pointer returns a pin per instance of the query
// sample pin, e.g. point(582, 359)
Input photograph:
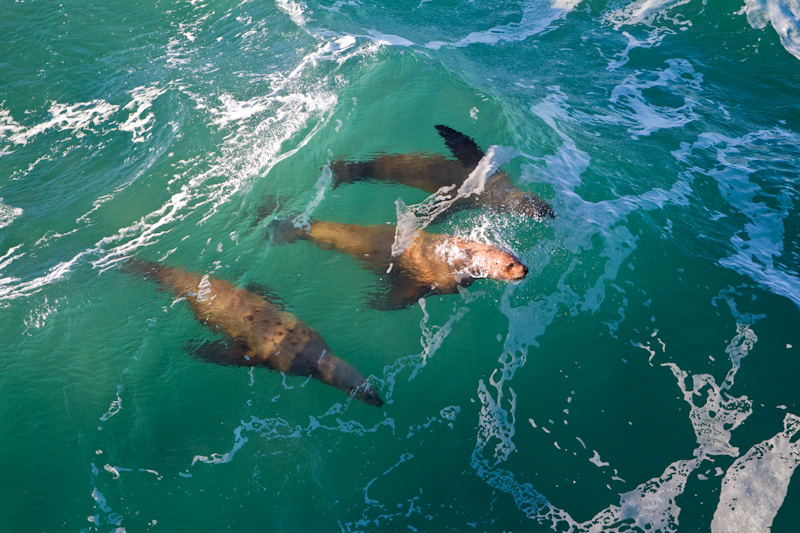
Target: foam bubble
point(8, 214)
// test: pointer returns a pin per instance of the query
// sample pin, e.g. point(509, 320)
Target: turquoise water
point(641, 378)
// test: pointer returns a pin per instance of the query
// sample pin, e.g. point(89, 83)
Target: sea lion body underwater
point(431, 263)
point(263, 334)
point(430, 172)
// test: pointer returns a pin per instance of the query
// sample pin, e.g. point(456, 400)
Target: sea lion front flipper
point(221, 352)
point(265, 292)
point(463, 147)
point(399, 295)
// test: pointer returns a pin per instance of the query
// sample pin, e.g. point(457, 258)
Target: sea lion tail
point(282, 231)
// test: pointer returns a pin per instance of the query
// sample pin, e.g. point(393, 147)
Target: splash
point(411, 219)
point(784, 15)
point(8, 214)
point(646, 12)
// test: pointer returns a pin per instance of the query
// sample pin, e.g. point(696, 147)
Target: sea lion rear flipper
point(270, 205)
point(281, 231)
point(463, 147)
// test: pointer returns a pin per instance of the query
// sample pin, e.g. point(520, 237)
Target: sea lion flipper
point(463, 147)
point(281, 231)
point(221, 352)
point(270, 205)
point(265, 292)
point(399, 296)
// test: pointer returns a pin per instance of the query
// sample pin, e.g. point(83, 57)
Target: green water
point(641, 378)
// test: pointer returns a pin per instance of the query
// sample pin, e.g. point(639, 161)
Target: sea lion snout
point(517, 270)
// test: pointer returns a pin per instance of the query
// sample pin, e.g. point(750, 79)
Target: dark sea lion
point(262, 333)
point(430, 172)
point(433, 263)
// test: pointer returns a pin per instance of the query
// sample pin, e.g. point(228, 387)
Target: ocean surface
point(642, 377)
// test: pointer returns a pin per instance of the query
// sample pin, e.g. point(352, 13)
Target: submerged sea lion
point(430, 172)
point(433, 263)
point(262, 333)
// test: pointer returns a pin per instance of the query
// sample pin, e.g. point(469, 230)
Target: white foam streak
point(759, 244)
point(142, 100)
point(227, 457)
point(303, 220)
point(536, 18)
point(115, 407)
point(433, 336)
point(9, 290)
point(756, 484)
point(646, 117)
point(76, 118)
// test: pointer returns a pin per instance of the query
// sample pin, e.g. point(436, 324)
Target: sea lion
point(433, 263)
point(430, 172)
point(262, 333)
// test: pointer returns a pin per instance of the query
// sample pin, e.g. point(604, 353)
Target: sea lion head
point(481, 260)
point(502, 195)
point(367, 393)
point(530, 206)
point(497, 263)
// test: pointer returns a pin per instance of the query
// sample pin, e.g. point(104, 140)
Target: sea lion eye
point(510, 266)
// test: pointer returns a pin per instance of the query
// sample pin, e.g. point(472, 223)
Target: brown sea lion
point(433, 263)
point(262, 333)
point(430, 172)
